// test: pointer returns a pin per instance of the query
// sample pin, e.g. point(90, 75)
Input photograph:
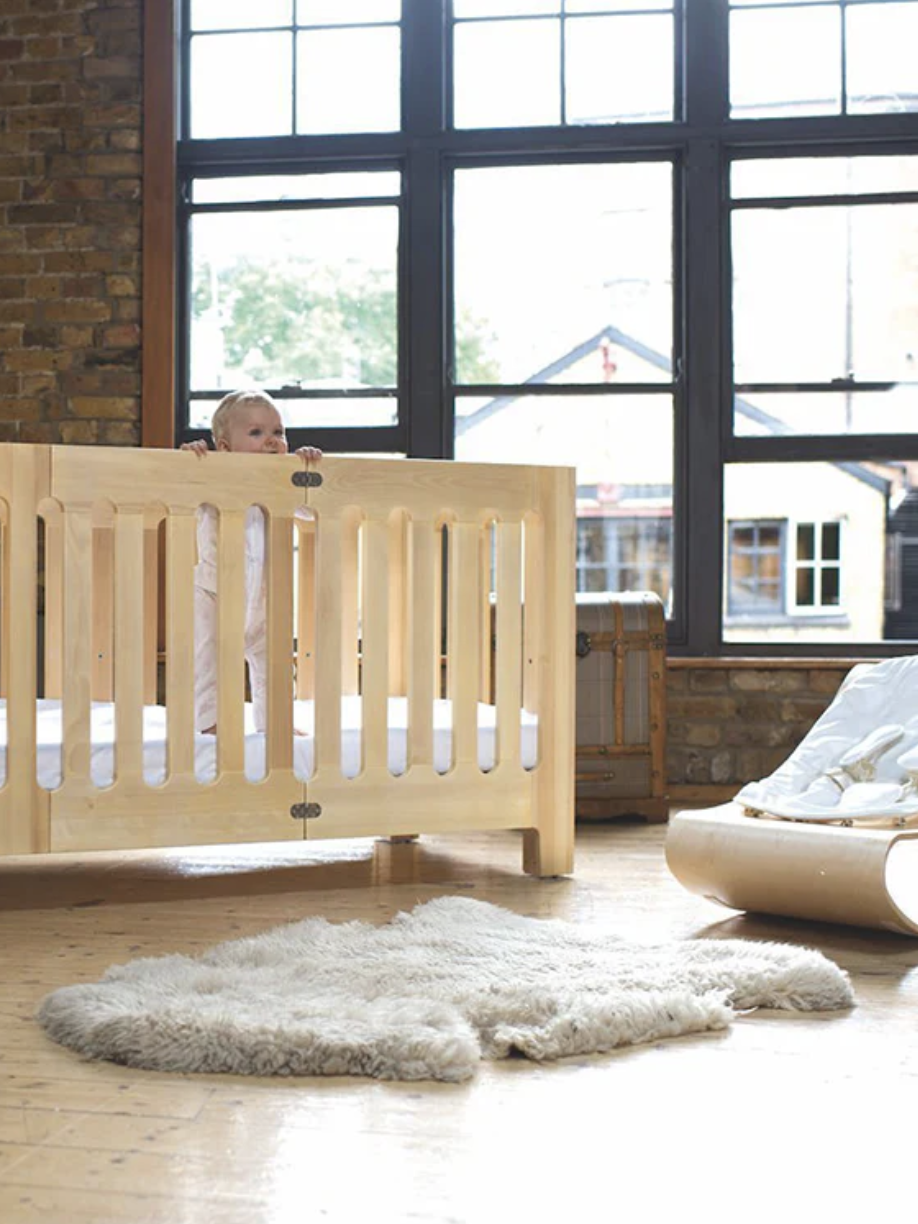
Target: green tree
point(306, 321)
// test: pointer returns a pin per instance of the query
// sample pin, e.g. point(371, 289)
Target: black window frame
point(701, 141)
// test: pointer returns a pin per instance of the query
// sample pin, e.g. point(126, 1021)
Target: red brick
point(20, 408)
point(124, 335)
point(78, 433)
point(20, 262)
point(44, 360)
point(85, 311)
point(43, 286)
point(120, 433)
point(76, 337)
point(118, 407)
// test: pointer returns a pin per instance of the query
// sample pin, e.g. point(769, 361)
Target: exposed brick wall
point(70, 189)
point(731, 725)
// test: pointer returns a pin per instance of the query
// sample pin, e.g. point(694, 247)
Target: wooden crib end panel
point(378, 804)
point(134, 816)
point(24, 483)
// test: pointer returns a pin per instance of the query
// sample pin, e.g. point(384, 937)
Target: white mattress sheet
point(103, 755)
point(859, 760)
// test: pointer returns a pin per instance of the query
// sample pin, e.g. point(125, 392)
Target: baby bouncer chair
point(832, 834)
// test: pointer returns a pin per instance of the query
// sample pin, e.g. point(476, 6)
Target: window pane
point(220, 64)
point(239, 14)
point(830, 595)
point(295, 187)
point(837, 583)
point(314, 413)
point(764, 414)
point(303, 298)
point(754, 560)
point(880, 57)
point(822, 293)
point(348, 80)
point(504, 8)
point(831, 537)
point(586, 301)
point(785, 62)
point(346, 12)
point(805, 588)
point(619, 68)
point(789, 176)
point(610, 6)
point(624, 486)
point(507, 74)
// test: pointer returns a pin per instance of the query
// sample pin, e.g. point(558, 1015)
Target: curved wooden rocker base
point(859, 876)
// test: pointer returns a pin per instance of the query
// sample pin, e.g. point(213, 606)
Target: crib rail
point(397, 569)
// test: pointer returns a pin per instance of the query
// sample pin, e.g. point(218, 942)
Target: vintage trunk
point(621, 706)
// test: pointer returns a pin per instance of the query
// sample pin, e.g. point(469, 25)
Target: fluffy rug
point(426, 996)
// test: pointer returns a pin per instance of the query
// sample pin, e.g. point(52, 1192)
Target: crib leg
point(545, 856)
point(400, 839)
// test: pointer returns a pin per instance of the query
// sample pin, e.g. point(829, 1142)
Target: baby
point(248, 422)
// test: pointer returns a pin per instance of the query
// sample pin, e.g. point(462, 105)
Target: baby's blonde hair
point(219, 425)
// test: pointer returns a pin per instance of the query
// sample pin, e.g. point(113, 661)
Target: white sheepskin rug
point(426, 996)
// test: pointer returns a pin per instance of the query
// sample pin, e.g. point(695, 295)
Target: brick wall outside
point(70, 189)
point(731, 725)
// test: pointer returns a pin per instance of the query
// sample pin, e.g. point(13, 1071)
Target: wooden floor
point(782, 1117)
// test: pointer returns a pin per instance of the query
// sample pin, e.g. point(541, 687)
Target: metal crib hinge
point(584, 644)
point(306, 479)
point(306, 811)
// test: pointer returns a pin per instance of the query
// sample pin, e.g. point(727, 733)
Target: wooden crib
point(384, 580)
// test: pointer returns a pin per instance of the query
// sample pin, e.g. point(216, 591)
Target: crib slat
point(279, 586)
point(348, 609)
point(180, 559)
point(534, 578)
point(464, 629)
point(306, 610)
point(103, 606)
point(509, 641)
point(328, 645)
point(374, 631)
point(485, 692)
point(54, 600)
point(151, 606)
point(231, 644)
point(77, 629)
point(398, 613)
point(128, 645)
point(423, 647)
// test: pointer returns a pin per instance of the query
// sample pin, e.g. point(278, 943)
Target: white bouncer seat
point(832, 834)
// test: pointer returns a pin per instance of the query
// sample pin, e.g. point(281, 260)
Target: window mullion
point(701, 428)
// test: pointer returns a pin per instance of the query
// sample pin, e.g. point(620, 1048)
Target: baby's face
point(256, 429)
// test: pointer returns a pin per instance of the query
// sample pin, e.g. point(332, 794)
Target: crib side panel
point(530, 625)
point(24, 808)
point(147, 501)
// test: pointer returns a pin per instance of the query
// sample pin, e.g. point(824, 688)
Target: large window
point(670, 243)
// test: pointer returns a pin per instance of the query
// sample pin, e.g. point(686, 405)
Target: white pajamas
point(205, 616)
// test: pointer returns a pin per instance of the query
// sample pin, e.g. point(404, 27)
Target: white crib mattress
point(104, 751)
